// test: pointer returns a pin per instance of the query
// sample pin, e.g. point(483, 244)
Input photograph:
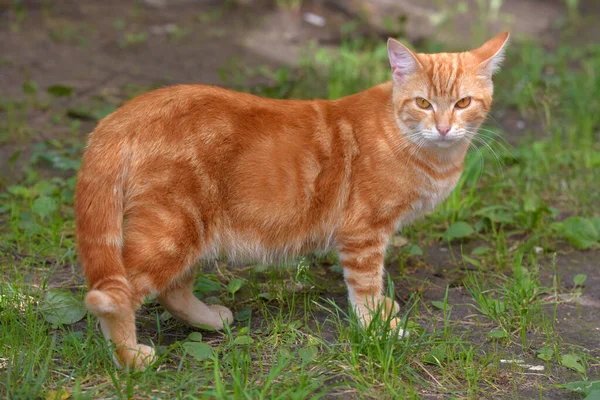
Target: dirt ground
point(92, 47)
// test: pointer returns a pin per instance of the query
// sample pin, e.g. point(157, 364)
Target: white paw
point(403, 334)
point(143, 356)
point(224, 315)
point(137, 358)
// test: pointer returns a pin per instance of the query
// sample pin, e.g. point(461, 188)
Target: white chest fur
point(430, 193)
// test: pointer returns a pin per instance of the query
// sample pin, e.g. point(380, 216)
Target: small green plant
point(131, 39)
point(513, 305)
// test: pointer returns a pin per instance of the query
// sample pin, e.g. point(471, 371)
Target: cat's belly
point(238, 246)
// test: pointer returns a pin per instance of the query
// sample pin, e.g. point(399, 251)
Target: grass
point(518, 203)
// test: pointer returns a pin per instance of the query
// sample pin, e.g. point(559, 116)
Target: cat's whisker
point(419, 145)
point(492, 151)
point(410, 142)
point(484, 134)
point(499, 161)
point(480, 154)
point(496, 134)
point(507, 150)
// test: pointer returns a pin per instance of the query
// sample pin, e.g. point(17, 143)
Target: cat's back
point(203, 110)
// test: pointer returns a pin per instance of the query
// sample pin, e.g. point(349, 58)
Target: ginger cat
point(188, 173)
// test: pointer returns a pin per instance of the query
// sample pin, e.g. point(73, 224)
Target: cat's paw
point(223, 314)
point(395, 324)
point(137, 358)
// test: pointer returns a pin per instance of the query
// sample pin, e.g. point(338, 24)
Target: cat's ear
point(402, 60)
point(491, 54)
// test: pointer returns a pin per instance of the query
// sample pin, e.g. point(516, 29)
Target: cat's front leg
point(362, 262)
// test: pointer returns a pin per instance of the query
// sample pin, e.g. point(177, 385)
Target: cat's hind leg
point(180, 301)
point(116, 312)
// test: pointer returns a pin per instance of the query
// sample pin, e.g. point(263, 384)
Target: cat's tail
point(99, 198)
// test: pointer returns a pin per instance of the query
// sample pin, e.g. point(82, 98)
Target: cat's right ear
point(402, 60)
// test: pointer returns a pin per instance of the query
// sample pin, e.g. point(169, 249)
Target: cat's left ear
point(491, 54)
point(402, 60)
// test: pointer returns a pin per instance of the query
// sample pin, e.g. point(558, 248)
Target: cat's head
point(442, 99)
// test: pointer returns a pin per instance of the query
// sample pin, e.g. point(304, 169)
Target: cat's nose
point(443, 130)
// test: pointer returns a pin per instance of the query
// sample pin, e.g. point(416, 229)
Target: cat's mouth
point(444, 141)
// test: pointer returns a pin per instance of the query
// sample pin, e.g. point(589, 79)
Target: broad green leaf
point(284, 353)
point(415, 250)
point(44, 206)
point(266, 295)
point(482, 225)
point(458, 230)
point(243, 340)
point(586, 387)
point(593, 395)
point(579, 279)
point(500, 214)
point(436, 355)
point(412, 326)
point(195, 337)
point(18, 190)
point(497, 334)
point(472, 261)
point(580, 232)
point(307, 354)
point(44, 188)
point(60, 162)
point(243, 315)
point(61, 307)
point(531, 203)
point(60, 90)
point(596, 223)
point(545, 353)
point(200, 351)
point(572, 361)
point(480, 250)
point(439, 304)
point(205, 285)
point(234, 285)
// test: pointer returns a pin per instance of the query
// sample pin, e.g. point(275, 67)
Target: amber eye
point(463, 103)
point(421, 102)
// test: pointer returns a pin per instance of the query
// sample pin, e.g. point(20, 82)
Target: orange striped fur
point(192, 172)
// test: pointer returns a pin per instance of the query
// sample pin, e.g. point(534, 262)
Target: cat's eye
point(463, 103)
point(422, 103)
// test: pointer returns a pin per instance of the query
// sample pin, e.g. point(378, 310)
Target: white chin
point(444, 143)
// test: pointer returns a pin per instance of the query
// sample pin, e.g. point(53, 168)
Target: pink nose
point(443, 130)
